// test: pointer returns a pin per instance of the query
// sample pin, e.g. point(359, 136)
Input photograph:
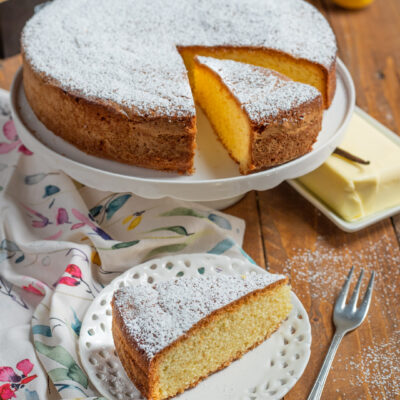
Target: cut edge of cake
point(262, 117)
point(298, 70)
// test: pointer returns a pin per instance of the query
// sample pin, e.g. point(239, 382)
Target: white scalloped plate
point(216, 178)
point(266, 373)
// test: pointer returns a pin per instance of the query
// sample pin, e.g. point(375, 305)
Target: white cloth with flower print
point(60, 244)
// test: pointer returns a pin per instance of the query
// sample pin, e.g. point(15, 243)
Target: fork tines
point(341, 300)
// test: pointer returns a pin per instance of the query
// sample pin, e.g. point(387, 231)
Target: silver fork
point(346, 318)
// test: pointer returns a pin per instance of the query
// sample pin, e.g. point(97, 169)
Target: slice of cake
point(172, 335)
point(262, 117)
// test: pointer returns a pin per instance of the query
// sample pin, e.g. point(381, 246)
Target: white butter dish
point(356, 225)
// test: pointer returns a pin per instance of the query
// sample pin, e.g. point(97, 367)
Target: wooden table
point(286, 234)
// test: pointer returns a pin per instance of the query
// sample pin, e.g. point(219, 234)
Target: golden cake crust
point(287, 137)
point(143, 371)
point(103, 128)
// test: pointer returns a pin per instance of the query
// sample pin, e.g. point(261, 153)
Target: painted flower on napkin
point(15, 381)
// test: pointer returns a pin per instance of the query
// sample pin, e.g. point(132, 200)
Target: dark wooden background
point(13, 15)
point(286, 234)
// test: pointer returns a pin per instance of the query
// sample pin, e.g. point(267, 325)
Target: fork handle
point(319, 384)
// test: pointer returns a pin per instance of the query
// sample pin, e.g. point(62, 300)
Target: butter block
point(353, 190)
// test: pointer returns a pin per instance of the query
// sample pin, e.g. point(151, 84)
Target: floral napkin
point(60, 244)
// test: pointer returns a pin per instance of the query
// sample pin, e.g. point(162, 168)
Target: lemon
point(353, 4)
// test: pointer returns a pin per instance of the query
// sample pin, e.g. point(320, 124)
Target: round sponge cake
point(113, 78)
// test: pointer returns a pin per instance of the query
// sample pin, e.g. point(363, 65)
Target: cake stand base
point(221, 204)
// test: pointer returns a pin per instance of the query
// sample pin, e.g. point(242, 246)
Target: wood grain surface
point(286, 234)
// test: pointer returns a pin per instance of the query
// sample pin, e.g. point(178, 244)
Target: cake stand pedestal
point(222, 204)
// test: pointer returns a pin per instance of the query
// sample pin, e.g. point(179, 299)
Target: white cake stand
point(216, 182)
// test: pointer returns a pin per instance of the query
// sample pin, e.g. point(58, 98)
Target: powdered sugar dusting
point(374, 371)
point(157, 315)
point(106, 49)
point(329, 265)
point(261, 92)
point(125, 50)
point(379, 367)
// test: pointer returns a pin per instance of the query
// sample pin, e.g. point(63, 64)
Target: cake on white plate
point(171, 335)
